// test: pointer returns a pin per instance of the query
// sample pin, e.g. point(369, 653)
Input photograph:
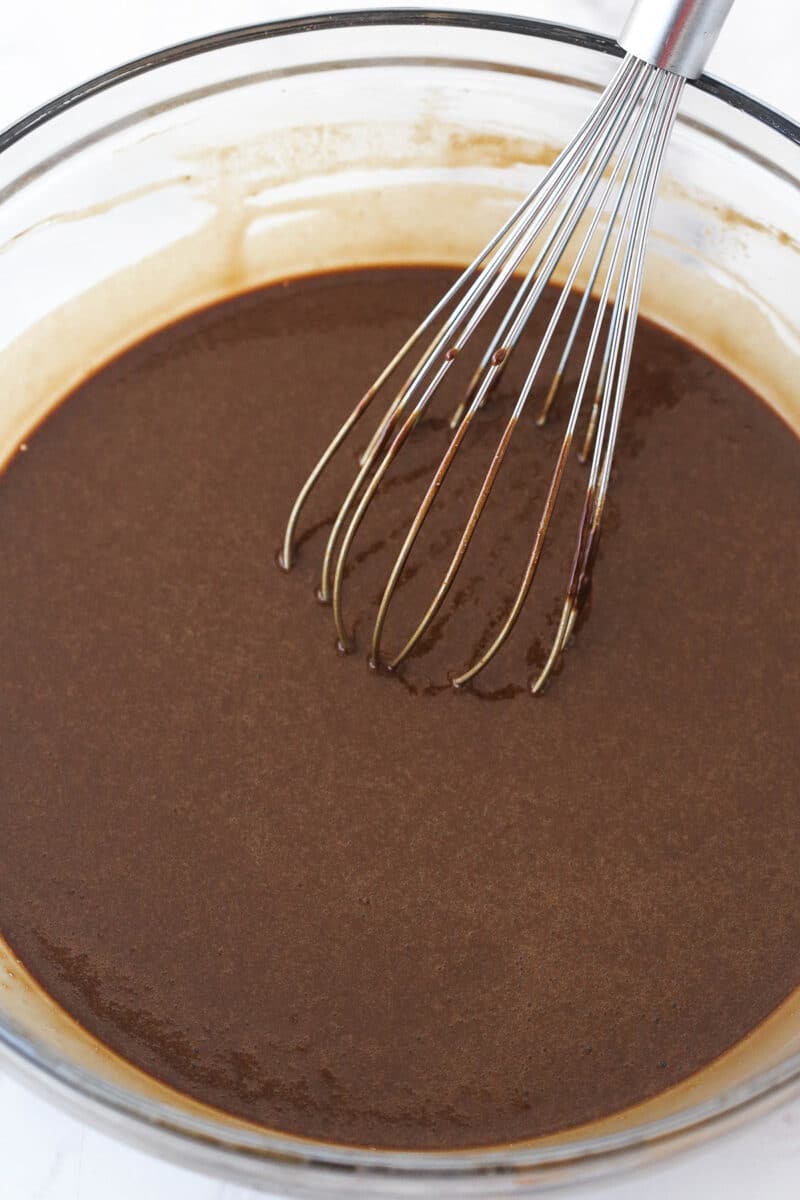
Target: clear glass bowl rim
point(41, 1064)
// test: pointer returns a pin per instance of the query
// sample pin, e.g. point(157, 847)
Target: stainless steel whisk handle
point(676, 35)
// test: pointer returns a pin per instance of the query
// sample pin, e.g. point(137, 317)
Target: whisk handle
point(677, 35)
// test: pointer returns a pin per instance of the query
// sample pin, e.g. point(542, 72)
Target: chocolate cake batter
point(369, 908)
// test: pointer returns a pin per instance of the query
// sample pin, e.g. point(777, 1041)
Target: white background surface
point(47, 47)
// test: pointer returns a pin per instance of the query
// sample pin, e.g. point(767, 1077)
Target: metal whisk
point(607, 175)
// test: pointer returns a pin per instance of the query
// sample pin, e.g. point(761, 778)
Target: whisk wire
point(520, 243)
point(449, 335)
point(614, 165)
point(522, 317)
point(628, 68)
point(639, 165)
point(503, 337)
point(627, 305)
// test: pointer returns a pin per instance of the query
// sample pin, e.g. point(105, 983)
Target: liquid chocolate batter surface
point(370, 908)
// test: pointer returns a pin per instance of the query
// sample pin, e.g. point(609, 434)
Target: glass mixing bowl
point(362, 138)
